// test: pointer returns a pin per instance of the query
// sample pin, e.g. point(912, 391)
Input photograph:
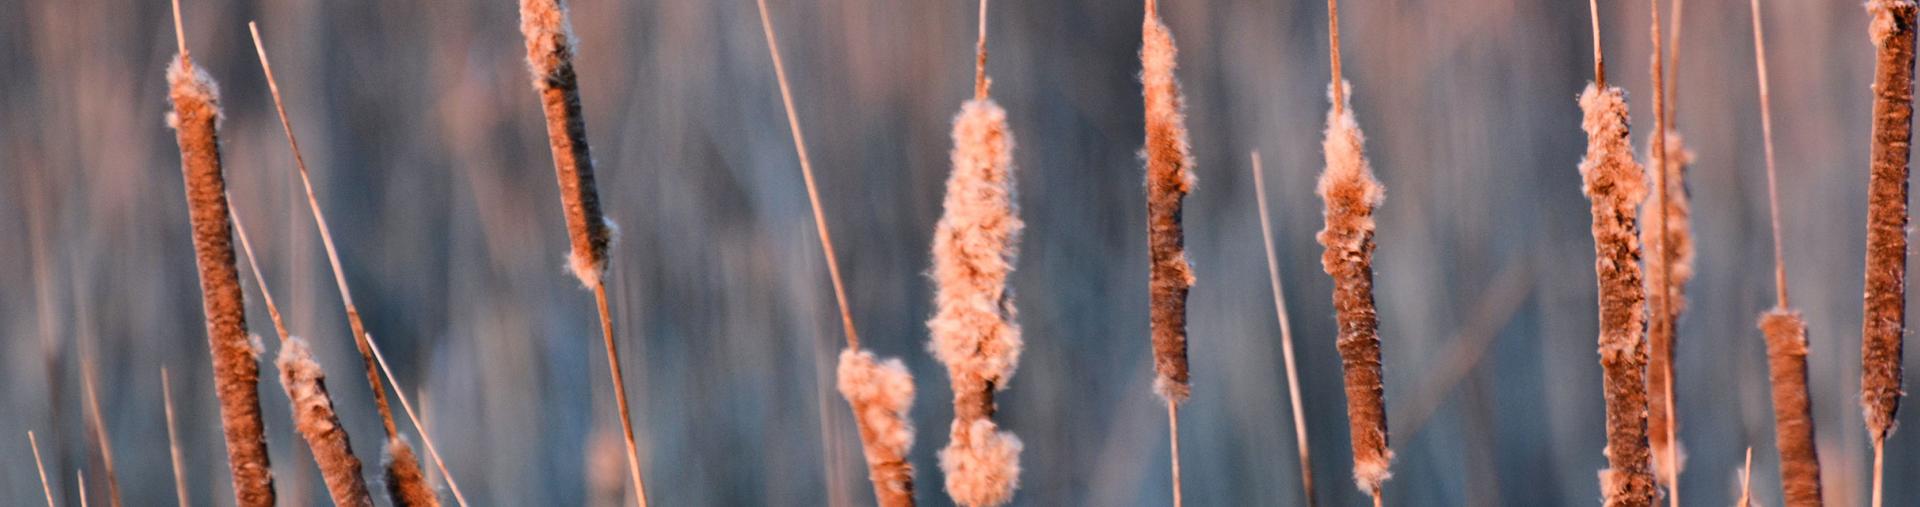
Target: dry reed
point(1885, 321)
point(80, 477)
point(1664, 237)
point(195, 119)
point(1615, 185)
point(1286, 333)
point(974, 332)
point(879, 392)
point(419, 424)
point(45, 489)
point(1746, 481)
point(354, 321)
point(97, 425)
point(173, 441)
point(1351, 193)
point(1785, 331)
point(550, 46)
point(1169, 179)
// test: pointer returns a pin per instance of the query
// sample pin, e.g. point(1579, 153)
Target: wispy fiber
point(195, 119)
point(879, 392)
point(974, 332)
point(1785, 331)
point(1351, 193)
point(354, 321)
point(1885, 322)
point(1286, 333)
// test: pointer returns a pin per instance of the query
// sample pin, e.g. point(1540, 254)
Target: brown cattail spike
point(1886, 319)
point(550, 43)
point(313, 416)
point(1169, 179)
point(1352, 193)
point(195, 118)
point(1792, 407)
point(406, 485)
point(1616, 185)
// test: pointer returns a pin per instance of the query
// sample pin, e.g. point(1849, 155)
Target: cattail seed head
point(881, 393)
point(313, 416)
point(550, 48)
point(1615, 186)
point(1351, 194)
point(1678, 261)
point(1885, 322)
point(982, 464)
point(1786, 337)
point(1169, 179)
point(195, 120)
point(406, 484)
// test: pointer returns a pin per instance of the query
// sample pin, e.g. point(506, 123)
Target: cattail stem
point(879, 392)
point(173, 441)
point(1884, 324)
point(1746, 481)
point(41, 467)
point(196, 113)
point(1615, 185)
point(1173, 445)
point(1286, 333)
point(98, 426)
point(1661, 419)
point(1599, 63)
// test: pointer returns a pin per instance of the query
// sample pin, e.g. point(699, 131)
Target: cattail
point(973, 328)
point(195, 119)
point(1792, 408)
point(550, 43)
point(1169, 179)
point(1670, 266)
point(881, 393)
point(354, 321)
point(406, 484)
point(173, 441)
point(1885, 322)
point(1615, 185)
point(313, 416)
point(1785, 331)
point(1351, 193)
point(418, 490)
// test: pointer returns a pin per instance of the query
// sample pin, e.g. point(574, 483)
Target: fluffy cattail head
point(1351, 193)
point(313, 416)
point(1169, 179)
point(1615, 186)
point(550, 43)
point(406, 485)
point(881, 393)
point(195, 119)
point(982, 465)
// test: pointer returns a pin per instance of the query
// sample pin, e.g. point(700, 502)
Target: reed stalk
point(45, 489)
point(880, 392)
point(173, 442)
point(1615, 185)
point(1286, 333)
point(97, 425)
point(195, 119)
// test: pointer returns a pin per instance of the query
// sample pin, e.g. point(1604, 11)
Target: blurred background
point(429, 155)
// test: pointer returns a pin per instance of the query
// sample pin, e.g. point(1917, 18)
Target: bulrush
point(236, 370)
point(1785, 331)
point(973, 328)
point(1169, 179)
point(1351, 193)
point(1615, 186)
point(1885, 322)
point(879, 391)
